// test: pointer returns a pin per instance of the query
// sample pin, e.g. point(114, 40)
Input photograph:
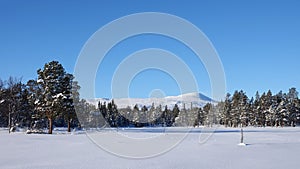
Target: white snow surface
point(40, 81)
point(267, 148)
point(196, 99)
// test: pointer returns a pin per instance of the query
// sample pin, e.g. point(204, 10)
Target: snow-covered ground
point(266, 148)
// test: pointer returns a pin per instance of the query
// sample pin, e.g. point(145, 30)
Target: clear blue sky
point(258, 41)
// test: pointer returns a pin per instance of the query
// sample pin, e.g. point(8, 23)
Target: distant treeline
point(53, 100)
point(281, 109)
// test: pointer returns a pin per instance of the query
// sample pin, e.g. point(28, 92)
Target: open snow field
point(267, 148)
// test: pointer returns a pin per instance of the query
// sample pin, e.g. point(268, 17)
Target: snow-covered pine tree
point(260, 110)
point(34, 95)
point(227, 120)
point(3, 119)
point(235, 109)
point(14, 96)
point(67, 103)
point(151, 115)
point(50, 78)
point(208, 117)
point(182, 118)
point(176, 112)
point(292, 107)
point(25, 110)
point(244, 109)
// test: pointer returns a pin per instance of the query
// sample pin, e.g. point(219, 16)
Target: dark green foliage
point(136, 117)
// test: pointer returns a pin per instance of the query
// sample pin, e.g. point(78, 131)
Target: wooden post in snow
point(242, 136)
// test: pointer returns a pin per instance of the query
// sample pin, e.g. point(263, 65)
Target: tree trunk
point(9, 122)
point(50, 126)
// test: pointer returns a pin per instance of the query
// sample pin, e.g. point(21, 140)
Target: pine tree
point(75, 96)
point(292, 107)
point(83, 110)
point(182, 118)
point(244, 108)
point(25, 110)
point(14, 95)
point(227, 119)
point(260, 110)
point(158, 116)
point(34, 97)
point(175, 112)
point(67, 102)
point(207, 114)
point(251, 112)
point(151, 116)
point(50, 79)
point(235, 111)
point(2, 104)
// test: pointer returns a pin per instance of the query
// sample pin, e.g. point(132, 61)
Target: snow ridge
point(189, 99)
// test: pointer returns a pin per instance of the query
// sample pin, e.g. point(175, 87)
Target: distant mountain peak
point(189, 99)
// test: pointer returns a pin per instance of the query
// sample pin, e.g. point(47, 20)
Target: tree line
point(238, 110)
point(281, 109)
point(52, 99)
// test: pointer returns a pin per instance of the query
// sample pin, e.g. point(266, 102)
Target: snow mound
point(242, 144)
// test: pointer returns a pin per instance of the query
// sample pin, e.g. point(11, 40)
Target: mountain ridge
point(188, 100)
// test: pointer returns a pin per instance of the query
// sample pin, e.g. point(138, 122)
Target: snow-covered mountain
point(194, 99)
